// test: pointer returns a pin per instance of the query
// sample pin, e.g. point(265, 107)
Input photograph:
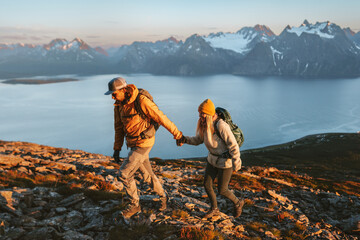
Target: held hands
point(116, 156)
point(181, 141)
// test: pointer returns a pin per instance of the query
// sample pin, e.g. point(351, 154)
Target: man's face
point(119, 95)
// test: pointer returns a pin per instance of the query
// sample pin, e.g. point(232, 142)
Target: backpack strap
point(227, 153)
point(141, 112)
point(216, 128)
point(139, 109)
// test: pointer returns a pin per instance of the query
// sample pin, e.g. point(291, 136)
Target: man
point(140, 137)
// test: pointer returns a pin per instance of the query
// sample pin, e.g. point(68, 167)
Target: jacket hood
point(133, 91)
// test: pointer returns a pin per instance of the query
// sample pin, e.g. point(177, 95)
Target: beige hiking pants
point(138, 159)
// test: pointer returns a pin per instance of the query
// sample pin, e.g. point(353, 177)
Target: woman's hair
point(206, 128)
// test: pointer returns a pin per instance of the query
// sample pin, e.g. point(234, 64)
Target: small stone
point(95, 223)
point(278, 196)
point(270, 235)
point(73, 199)
point(15, 233)
point(42, 169)
point(54, 195)
point(6, 198)
point(60, 209)
point(2, 228)
point(73, 218)
point(40, 203)
point(226, 224)
point(239, 228)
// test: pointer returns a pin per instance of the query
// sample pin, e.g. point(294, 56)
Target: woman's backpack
point(225, 115)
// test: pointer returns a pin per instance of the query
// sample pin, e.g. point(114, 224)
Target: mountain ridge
point(320, 50)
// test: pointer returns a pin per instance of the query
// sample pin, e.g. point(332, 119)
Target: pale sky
point(109, 23)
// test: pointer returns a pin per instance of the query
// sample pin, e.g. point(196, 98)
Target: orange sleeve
point(119, 129)
point(152, 111)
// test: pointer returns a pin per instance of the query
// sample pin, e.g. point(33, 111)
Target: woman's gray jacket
point(217, 151)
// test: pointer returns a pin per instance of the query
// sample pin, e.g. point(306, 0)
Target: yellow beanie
point(207, 107)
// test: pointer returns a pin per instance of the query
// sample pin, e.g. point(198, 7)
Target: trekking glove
point(116, 156)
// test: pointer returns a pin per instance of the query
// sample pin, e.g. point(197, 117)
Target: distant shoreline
point(38, 81)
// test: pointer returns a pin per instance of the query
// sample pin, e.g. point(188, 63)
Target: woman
point(223, 157)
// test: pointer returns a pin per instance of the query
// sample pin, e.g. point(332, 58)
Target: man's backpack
point(225, 115)
point(155, 126)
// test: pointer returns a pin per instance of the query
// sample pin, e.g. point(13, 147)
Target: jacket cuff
point(178, 136)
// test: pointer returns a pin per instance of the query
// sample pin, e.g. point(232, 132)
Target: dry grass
point(240, 182)
point(169, 176)
point(194, 233)
point(284, 215)
point(109, 163)
point(194, 180)
point(276, 232)
point(295, 231)
point(292, 234)
point(180, 214)
point(273, 204)
point(249, 202)
point(256, 226)
point(141, 231)
point(14, 178)
point(336, 158)
point(65, 184)
point(300, 227)
point(348, 187)
point(95, 195)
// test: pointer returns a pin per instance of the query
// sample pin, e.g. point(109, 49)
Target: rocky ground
point(57, 193)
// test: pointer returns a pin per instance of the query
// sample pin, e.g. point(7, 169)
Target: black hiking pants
point(224, 176)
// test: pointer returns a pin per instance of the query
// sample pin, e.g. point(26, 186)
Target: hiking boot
point(131, 211)
point(212, 212)
point(238, 208)
point(163, 202)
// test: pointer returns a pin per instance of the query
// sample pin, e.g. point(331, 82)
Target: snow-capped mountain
point(9, 50)
point(76, 51)
point(194, 57)
point(355, 37)
point(324, 29)
point(57, 50)
point(243, 40)
point(322, 49)
point(137, 56)
point(57, 57)
point(142, 49)
point(312, 50)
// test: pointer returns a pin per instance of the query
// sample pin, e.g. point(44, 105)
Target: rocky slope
point(57, 193)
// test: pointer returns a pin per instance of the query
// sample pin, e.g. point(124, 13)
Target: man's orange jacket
point(129, 123)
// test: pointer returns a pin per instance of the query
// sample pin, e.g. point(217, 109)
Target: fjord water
point(77, 115)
